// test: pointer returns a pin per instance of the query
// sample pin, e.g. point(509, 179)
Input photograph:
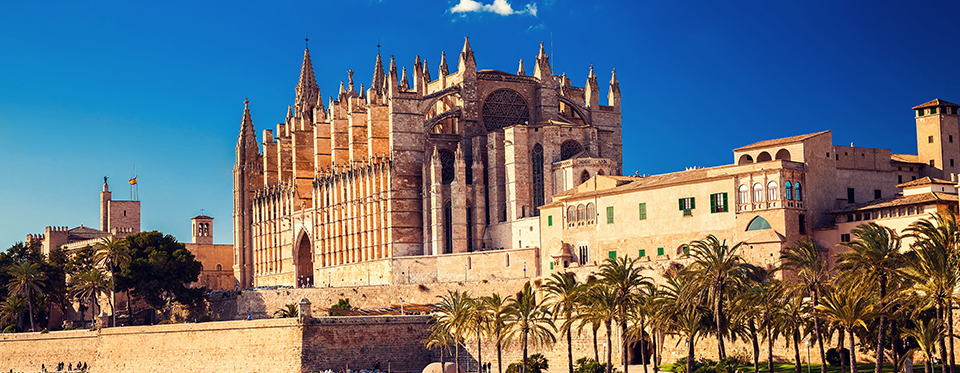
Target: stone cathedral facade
point(414, 179)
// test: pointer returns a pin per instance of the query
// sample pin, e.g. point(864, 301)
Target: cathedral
point(377, 185)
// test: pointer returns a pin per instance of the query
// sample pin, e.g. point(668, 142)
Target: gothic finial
point(592, 75)
point(444, 70)
point(350, 77)
point(426, 71)
point(542, 53)
point(520, 70)
point(404, 83)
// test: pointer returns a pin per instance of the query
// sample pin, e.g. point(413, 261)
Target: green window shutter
point(713, 203)
point(550, 224)
point(659, 251)
point(681, 204)
point(693, 203)
point(686, 249)
point(643, 211)
point(612, 254)
point(642, 253)
point(609, 214)
point(725, 209)
point(551, 266)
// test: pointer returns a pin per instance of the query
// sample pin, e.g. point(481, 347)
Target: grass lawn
point(814, 368)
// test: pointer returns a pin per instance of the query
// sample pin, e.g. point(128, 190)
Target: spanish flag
point(133, 181)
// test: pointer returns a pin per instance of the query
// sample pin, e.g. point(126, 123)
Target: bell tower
point(202, 228)
point(938, 138)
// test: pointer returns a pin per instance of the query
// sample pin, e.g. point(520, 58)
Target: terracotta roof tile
point(899, 201)
point(905, 158)
point(924, 181)
point(780, 141)
point(934, 103)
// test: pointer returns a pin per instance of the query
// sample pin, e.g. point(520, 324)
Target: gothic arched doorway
point(304, 263)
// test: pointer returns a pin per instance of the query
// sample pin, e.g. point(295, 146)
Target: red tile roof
point(935, 103)
point(780, 141)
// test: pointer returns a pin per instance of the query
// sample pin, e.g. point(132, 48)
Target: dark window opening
point(850, 196)
point(876, 194)
point(802, 222)
point(845, 237)
point(537, 178)
point(447, 166)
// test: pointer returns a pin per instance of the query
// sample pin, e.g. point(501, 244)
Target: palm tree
point(761, 299)
point(563, 290)
point(931, 285)
point(791, 319)
point(805, 259)
point(477, 321)
point(438, 337)
point(11, 311)
point(26, 282)
point(680, 314)
point(718, 269)
point(847, 308)
point(89, 285)
point(288, 310)
point(452, 316)
point(111, 254)
point(874, 258)
point(600, 307)
point(531, 320)
point(640, 315)
point(497, 326)
point(628, 284)
point(939, 232)
point(927, 334)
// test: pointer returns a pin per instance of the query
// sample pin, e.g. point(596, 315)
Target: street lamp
point(807, 342)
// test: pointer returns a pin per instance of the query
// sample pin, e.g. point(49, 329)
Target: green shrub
point(536, 363)
point(10, 329)
point(588, 365)
point(833, 357)
point(513, 368)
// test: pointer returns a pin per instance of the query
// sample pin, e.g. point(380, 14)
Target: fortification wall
point(367, 342)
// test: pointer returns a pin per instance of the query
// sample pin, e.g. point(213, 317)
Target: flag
point(133, 181)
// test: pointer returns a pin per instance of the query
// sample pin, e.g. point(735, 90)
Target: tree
point(680, 314)
point(497, 326)
point(563, 291)
point(761, 299)
point(26, 283)
point(927, 334)
point(438, 338)
point(112, 254)
point(159, 268)
point(531, 319)
point(12, 310)
point(806, 260)
point(718, 268)
point(452, 316)
point(600, 307)
point(89, 285)
point(938, 267)
point(478, 319)
point(874, 258)
point(847, 308)
point(629, 285)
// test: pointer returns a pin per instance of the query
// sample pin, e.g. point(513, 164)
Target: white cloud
point(501, 7)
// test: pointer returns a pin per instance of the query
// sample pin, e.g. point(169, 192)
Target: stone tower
point(938, 138)
point(202, 228)
point(105, 197)
point(247, 178)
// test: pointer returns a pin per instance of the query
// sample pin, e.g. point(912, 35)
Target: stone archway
point(304, 262)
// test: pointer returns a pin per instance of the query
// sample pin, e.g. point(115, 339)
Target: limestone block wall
point(366, 343)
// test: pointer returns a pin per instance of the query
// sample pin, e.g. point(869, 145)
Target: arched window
point(591, 211)
point(571, 214)
point(744, 193)
point(763, 157)
point(758, 223)
point(537, 178)
point(773, 192)
point(581, 212)
point(504, 108)
point(599, 172)
point(584, 176)
point(569, 149)
point(219, 267)
point(745, 159)
point(783, 154)
point(447, 228)
point(757, 193)
point(787, 190)
point(798, 193)
point(447, 163)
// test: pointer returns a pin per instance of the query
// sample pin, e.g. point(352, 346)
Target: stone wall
point(366, 343)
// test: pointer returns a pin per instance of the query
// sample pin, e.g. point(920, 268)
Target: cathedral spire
point(404, 83)
point(467, 61)
point(378, 76)
point(542, 70)
point(247, 139)
point(592, 90)
point(613, 97)
point(520, 71)
point(393, 75)
point(426, 72)
point(307, 88)
point(444, 70)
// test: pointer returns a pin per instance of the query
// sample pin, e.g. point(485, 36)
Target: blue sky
point(95, 88)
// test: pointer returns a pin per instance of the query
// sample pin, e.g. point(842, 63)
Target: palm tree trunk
point(30, 309)
point(523, 368)
point(819, 336)
point(570, 350)
point(456, 358)
point(479, 353)
point(769, 349)
point(129, 309)
point(881, 333)
point(609, 347)
point(718, 312)
point(840, 340)
point(643, 347)
point(798, 367)
point(690, 354)
point(443, 368)
point(756, 346)
point(623, 345)
point(853, 352)
point(113, 298)
point(943, 346)
point(953, 368)
point(596, 350)
point(499, 355)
